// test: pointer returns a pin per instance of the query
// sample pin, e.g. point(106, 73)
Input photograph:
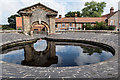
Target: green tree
point(12, 21)
point(101, 26)
point(91, 50)
point(88, 26)
point(72, 14)
point(93, 9)
point(6, 27)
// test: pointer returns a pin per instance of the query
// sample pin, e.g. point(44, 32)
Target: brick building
point(76, 23)
point(18, 23)
point(0, 27)
point(112, 18)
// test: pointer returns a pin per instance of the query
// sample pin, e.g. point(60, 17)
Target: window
point(35, 29)
point(56, 25)
point(119, 23)
point(63, 24)
point(59, 26)
point(111, 22)
point(67, 25)
point(80, 26)
point(73, 25)
point(70, 24)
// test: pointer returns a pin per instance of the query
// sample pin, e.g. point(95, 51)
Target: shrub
point(101, 26)
point(19, 29)
point(7, 27)
point(98, 26)
point(88, 26)
point(112, 27)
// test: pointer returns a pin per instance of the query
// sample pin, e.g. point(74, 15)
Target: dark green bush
point(98, 26)
point(112, 27)
point(88, 26)
point(7, 27)
point(19, 29)
point(101, 26)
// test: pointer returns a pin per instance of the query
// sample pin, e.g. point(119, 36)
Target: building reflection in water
point(56, 54)
point(43, 58)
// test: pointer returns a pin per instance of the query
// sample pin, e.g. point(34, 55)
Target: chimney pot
point(111, 10)
point(60, 16)
point(75, 14)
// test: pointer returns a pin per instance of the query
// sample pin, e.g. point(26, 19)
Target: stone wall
point(39, 14)
point(115, 20)
point(26, 24)
point(52, 24)
point(119, 18)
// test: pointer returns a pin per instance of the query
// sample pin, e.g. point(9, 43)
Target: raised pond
point(45, 53)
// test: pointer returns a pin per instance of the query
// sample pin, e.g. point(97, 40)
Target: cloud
point(83, 58)
point(74, 5)
point(9, 7)
point(40, 45)
point(119, 5)
point(17, 54)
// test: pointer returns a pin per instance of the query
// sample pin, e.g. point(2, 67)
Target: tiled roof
point(70, 19)
point(81, 19)
point(109, 15)
point(90, 19)
point(19, 21)
point(36, 5)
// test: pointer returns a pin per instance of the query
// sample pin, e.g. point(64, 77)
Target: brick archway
point(44, 24)
point(40, 13)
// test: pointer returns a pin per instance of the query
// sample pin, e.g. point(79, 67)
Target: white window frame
point(111, 22)
point(70, 24)
point(63, 24)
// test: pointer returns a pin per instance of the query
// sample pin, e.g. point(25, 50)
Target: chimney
point(111, 10)
point(60, 16)
point(75, 14)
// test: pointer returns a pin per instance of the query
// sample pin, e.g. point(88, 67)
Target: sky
point(10, 7)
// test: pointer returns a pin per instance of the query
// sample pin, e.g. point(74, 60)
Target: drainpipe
point(75, 20)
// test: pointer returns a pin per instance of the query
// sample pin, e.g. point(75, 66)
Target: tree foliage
point(12, 21)
point(7, 27)
point(93, 9)
point(72, 14)
point(101, 26)
point(98, 26)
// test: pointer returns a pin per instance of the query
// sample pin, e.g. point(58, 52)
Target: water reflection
point(40, 45)
point(40, 58)
point(56, 54)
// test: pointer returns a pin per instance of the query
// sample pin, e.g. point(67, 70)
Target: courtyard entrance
point(38, 18)
point(40, 28)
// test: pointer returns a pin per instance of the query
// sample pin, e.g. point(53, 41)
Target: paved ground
point(106, 69)
point(11, 37)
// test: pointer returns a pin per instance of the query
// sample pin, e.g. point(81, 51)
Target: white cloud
point(119, 6)
point(40, 45)
point(9, 7)
point(84, 58)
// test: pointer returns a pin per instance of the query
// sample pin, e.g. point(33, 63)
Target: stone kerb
point(106, 69)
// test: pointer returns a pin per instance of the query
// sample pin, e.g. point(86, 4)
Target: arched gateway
point(38, 14)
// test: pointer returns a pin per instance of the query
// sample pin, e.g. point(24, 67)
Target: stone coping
point(10, 31)
point(105, 69)
point(92, 31)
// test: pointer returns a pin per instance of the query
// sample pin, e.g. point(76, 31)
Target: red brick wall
point(19, 22)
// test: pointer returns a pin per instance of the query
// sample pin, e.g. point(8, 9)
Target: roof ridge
point(37, 4)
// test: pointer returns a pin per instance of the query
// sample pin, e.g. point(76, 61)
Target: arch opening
point(38, 28)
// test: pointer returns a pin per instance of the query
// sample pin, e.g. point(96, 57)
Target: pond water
point(55, 54)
